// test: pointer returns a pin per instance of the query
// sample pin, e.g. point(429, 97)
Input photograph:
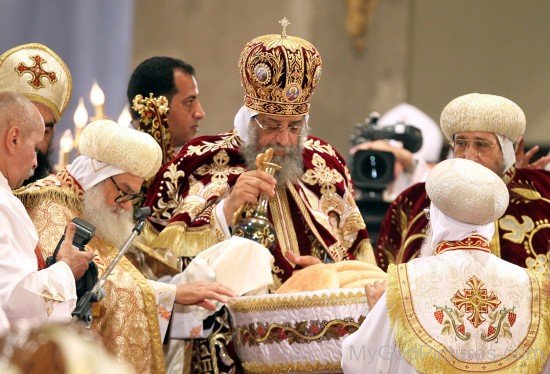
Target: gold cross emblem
point(36, 71)
point(475, 301)
point(284, 22)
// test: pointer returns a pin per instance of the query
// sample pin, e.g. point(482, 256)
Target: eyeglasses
point(481, 147)
point(125, 197)
point(272, 128)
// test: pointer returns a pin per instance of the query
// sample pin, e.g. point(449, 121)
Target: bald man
point(26, 292)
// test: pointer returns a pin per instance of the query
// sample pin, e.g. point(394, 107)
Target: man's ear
point(13, 139)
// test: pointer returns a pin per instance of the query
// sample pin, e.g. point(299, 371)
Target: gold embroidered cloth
point(127, 322)
point(469, 311)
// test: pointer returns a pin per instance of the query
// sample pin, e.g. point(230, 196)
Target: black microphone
point(141, 213)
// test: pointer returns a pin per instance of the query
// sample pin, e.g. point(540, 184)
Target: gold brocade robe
point(126, 317)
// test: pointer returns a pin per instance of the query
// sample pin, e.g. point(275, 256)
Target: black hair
point(155, 75)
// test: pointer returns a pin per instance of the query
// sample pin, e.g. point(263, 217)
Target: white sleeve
point(165, 296)
point(48, 294)
point(372, 348)
point(220, 219)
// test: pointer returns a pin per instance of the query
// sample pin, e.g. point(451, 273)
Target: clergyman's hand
point(523, 158)
point(302, 261)
point(77, 260)
point(200, 293)
point(248, 187)
point(374, 292)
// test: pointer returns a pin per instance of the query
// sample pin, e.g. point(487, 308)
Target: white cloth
point(165, 295)
point(25, 292)
point(242, 120)
point(445, 228)
point(508, 151)
point(432, 139)
point(88, 171)
point(240, 264)
point(372, 348)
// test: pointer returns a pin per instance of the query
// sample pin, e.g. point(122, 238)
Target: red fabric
point(402, 230)
point(188, 164)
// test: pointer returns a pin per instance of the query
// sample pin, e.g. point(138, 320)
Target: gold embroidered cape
point(469, 311)
point(127, 321)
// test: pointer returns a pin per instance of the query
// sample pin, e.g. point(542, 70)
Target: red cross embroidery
point(36, 71)
point(476, 301)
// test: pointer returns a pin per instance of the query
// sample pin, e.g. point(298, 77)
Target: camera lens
point(373, 169)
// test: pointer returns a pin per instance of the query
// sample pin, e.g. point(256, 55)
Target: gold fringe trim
point(183, 242)
point(31, 197)
point(426, 355)
point(292, 301)
point(294, 367)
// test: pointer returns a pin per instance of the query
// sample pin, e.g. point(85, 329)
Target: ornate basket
point(296, 332)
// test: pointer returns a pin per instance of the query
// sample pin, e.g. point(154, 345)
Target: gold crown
point(37, 72)
point(279, 73)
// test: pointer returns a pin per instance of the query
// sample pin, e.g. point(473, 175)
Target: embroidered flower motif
point(322, 175)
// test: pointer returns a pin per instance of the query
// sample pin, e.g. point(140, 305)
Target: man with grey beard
point(311, 199)
point(101, 186)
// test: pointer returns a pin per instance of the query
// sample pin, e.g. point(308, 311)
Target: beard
point(427, 249)
point(291, 162)
point(43, 168)
point(112, 224)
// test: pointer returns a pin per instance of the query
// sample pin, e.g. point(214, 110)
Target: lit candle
point(80, 120)
point(65, 147)
point(125, 117)
point(98, 99)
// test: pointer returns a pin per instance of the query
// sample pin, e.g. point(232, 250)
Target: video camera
point(371, 170)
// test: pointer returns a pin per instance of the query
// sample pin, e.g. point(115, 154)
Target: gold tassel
point(58, 195)
point(185, 243)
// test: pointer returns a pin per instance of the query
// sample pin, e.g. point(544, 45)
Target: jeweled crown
point(279, 73)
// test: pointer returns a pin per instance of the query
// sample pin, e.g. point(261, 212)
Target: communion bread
point(311, 278)
point(344, 274)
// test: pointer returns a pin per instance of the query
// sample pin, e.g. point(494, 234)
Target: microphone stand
point(83, 309)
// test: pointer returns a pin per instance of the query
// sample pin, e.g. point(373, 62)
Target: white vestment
point(25, 292)
point(429, 328)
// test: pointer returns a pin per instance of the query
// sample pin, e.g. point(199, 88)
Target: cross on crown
point(284, 22)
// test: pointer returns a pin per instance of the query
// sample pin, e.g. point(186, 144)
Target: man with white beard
point(311, 206)
point(459, 308)
point(100, 186)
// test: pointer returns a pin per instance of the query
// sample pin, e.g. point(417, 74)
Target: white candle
point(125, 117)
point(65, 147)
point(80, 120)
point(97, 97)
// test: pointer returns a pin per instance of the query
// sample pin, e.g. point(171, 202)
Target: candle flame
point(80, 114)
point(125, 117)
point(66, 142)
point(97, 97)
